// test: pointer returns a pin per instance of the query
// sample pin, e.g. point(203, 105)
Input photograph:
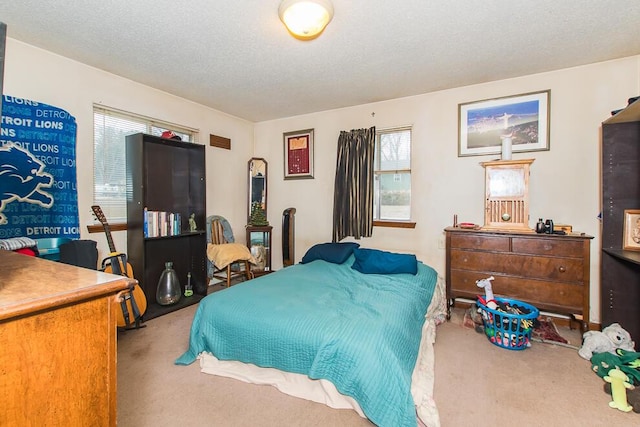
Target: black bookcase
point(620, 269)
point(166, 175)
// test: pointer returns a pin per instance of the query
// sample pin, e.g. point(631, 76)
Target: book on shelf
point(161, 223)
point(145, 223)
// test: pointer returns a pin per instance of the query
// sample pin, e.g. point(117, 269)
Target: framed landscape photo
point(298, 154)
point(525, 118)
point(631, 239)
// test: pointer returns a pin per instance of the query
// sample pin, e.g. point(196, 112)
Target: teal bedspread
point(359, 331)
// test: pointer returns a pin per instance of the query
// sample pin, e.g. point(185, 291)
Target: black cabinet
point(165, 175)
point(620, 269)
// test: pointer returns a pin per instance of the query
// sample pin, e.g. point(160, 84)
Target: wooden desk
point(57, 343)
point(548, 271)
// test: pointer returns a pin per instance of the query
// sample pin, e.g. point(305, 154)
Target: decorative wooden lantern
point(507, 195)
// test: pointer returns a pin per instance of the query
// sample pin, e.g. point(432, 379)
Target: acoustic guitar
point(117, 264)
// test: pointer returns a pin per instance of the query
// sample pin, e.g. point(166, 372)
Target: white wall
point(564, 182)
point(41, 76)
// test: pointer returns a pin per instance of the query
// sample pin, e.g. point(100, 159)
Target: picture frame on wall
point(631, 239)
point(524, 118)
point(298, 154)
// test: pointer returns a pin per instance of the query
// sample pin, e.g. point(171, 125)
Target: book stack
point(161, 224)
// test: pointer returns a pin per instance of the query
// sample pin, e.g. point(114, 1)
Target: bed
point(337, 328)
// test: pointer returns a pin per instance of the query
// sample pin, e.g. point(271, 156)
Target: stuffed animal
point(611, 338)
point(488, 290)
point(619, 385)
point(633, 396)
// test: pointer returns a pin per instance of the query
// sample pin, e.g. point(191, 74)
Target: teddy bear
point(611, 338)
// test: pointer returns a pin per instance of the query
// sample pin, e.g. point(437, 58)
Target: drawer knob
point(562, 269)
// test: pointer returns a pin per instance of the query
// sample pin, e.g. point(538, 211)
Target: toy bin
point(510, 329)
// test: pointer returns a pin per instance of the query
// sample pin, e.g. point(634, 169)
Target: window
point(392, 175)
point(110, 127)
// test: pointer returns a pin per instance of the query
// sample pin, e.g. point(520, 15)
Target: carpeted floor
point(480, 384)
point(477, 384)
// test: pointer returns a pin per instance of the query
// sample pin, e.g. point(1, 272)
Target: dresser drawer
point(546, 295)
point(539, 267)
point(480, 242)
point(550, 246)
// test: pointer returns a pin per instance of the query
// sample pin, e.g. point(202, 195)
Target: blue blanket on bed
point(360, 331)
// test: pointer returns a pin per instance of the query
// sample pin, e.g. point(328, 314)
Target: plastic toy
point(619, 385)
point(633, 396)
point(488, 291)
point(611, 338)
point(192, 223)
point(627, 361)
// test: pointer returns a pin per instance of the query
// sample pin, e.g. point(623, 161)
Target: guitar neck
point(105, 225)
point(107, 232)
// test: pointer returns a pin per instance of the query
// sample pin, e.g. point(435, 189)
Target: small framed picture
point(298, 154)
point(631, 240)
point(523, 118)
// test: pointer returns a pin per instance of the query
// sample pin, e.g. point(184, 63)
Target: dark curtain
point(353, 194)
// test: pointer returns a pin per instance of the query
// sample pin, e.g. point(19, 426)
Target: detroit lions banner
point(37, 171)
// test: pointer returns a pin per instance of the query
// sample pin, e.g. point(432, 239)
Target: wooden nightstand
point(260, 237)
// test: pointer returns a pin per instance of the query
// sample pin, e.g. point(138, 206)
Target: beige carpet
point(477, 384)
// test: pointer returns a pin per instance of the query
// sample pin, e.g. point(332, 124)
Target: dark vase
point(168, 291)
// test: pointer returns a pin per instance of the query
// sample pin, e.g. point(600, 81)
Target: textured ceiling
point(236, 56)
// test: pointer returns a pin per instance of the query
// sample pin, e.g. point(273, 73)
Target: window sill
point(394, 224)
point(98, 228)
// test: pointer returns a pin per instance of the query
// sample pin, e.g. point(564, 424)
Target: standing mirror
point(257, 185)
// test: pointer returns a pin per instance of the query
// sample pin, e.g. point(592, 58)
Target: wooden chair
point(233, 269)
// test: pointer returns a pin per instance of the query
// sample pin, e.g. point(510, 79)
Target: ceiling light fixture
point(305, 19)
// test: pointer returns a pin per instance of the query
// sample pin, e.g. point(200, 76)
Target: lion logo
point(22, 178)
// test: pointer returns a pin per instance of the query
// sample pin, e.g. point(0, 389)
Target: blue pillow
point(374, 261)
point(336, 253)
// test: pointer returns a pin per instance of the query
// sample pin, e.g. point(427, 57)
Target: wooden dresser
point(548, 271)
point(57, 343)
